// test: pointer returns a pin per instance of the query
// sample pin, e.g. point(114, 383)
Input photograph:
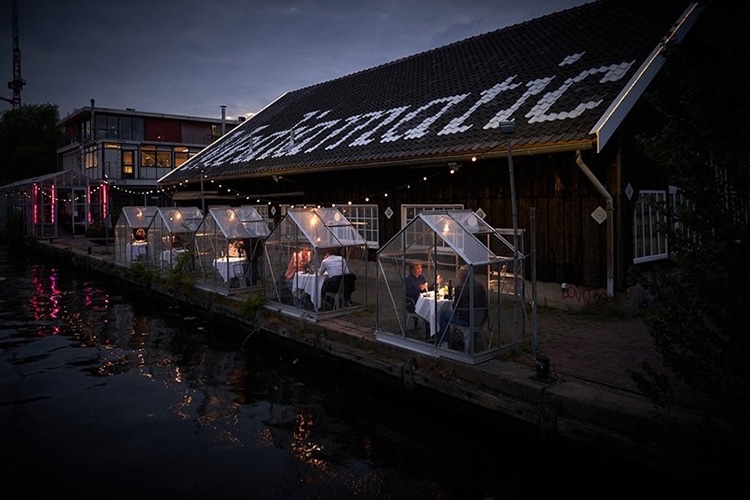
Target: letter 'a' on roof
point(445, 242)
point(304, 235)
point(131, 228)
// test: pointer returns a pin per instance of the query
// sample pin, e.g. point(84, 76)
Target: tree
point(698, 313)
point(29, 137)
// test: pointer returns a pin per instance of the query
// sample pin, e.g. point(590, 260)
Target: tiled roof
point(565, 79)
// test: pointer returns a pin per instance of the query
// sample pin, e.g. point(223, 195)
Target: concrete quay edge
point(621, 422)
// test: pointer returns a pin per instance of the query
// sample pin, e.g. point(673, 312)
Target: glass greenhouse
point(316, 264)
point(171, 237)
point(131, 234)
point(458, 305)
point(229, 248)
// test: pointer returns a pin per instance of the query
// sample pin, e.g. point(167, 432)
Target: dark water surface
point(107, 393)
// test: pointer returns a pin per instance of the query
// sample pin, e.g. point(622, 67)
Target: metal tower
point(17, 83)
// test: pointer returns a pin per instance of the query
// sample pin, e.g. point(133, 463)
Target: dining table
point(170, 257)
point(428, 308)
point(309, 283)
point(226, 267)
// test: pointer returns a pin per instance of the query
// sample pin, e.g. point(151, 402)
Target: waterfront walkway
point(590, 395)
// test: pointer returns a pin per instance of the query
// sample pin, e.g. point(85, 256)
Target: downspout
point(610, 223)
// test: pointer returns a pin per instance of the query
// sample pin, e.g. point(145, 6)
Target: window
point(364, 218)
point(649, 240)
point(90, 158)
point(148, 156)
point(408, 212)
point(164, 157)
point(181, 155)
point(128, 164)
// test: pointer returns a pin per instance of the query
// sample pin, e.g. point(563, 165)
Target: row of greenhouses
point(444, 285)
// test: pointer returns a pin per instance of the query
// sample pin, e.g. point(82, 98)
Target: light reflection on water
point(113, 392)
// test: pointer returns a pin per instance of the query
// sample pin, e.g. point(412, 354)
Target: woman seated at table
point(414, 284)
point(298, 263)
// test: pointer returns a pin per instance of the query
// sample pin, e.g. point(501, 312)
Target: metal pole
point(534, 322)
point(508, 129)
point(203, 199)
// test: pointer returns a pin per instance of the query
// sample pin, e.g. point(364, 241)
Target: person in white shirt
point(333, 264)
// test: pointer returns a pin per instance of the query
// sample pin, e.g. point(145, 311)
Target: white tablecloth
point(426, 310)
point(226, 267)
point(136, 250)
point(170, 257)
point(311, 284)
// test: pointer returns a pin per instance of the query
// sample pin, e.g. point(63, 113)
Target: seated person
point(414, 284)
point(298, 263)
point(333, 264)
point(460, 313)
point(139, 235)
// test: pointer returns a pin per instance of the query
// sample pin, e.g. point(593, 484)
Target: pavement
point(592, 349)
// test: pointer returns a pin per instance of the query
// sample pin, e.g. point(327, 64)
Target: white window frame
point(365, 219)
point(649, 241)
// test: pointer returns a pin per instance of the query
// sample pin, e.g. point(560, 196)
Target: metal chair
point(339, 290)
point(467, 332)
point(411, 315)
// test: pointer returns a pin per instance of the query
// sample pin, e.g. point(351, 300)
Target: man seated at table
point(460, 313)
point(414, 284)
point(333, 267)
point(333, 264)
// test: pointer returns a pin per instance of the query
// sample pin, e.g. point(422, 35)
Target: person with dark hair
point(467, 290)
point(414, 284)
point(333, 264)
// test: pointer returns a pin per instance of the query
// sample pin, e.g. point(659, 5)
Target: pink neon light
point(52, 205)
point(88, 202)
point(35, 204)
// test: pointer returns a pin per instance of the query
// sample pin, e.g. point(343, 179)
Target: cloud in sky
point(191, 57)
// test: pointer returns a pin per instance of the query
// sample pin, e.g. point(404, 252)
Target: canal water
point(107, 392)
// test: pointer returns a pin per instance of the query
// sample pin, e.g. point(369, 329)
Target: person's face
point(417, 270)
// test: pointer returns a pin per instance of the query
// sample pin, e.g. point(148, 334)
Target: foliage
point(697, 313)
point(29, 137)
point(180, 278)
point(252, 305)
point(140, 272)
point(97, 231)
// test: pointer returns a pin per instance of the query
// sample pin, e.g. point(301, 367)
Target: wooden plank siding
point(566, 234)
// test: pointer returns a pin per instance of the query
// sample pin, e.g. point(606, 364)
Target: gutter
point(610, 223)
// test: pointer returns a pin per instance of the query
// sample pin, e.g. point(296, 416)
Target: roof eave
point(610, 121)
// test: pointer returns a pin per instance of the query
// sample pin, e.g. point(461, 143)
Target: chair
point(467, 333)
point(339, 291)
point(419, 323)
point(239, 271)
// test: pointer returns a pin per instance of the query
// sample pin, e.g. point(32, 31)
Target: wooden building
point(532, 125)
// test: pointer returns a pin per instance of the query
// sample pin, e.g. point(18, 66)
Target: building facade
point(129, 150)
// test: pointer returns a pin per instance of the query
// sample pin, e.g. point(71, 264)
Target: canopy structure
point(229, 248)
point(171, 237)
point(463, 312)
point(295, 251)
point(131, 234)
point(61, 202)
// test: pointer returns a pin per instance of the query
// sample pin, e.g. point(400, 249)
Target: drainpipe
point(610, 223)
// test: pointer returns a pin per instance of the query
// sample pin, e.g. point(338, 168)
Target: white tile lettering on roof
point(309, 133)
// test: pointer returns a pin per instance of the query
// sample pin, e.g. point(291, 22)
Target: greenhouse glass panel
point(131, 234)
point(438, 292)
point(300, 277)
